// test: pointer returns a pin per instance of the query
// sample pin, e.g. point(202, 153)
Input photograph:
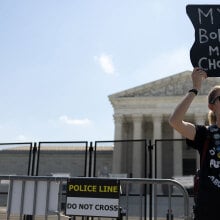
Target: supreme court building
point(140, 113)
point(143, 112)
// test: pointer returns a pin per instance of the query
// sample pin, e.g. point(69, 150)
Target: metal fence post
point(150, 148)
point(90, 159)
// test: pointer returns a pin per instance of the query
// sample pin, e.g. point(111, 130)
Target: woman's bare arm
point(176, 119)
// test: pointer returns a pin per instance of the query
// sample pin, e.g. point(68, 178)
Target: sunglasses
point(215, 99)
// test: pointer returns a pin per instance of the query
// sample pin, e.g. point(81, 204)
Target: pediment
point(175, 85)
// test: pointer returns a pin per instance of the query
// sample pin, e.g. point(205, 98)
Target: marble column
point(157, 134)
point(177, 154)
point(137, 153)
point(117, 153)
point(137, 157)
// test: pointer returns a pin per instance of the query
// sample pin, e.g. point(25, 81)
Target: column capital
point(118, 118)
point(157, 116)
point(137, 117)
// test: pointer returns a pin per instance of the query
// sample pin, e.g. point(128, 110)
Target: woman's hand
point(198, 75)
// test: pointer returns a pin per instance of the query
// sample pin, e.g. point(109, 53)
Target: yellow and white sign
point(93, 197)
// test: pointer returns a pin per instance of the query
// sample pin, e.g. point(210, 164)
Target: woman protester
point(206, 139)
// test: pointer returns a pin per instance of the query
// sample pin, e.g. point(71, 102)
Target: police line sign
point(92, 197)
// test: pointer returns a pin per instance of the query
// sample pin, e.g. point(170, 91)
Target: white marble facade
point(142, 113)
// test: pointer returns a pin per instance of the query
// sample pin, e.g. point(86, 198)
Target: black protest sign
point(205, 52)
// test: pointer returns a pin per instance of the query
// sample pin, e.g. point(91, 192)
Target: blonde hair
point(211, 118)
point(211, 97)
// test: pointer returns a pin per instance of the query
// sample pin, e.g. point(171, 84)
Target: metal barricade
point(154, 182)
point(43, 196)
point(33, 196)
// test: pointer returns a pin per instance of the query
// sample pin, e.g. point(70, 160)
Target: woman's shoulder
point(202, 133)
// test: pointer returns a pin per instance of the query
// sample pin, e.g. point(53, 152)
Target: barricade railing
point(171, 183)
point(31, 195)
point(43, 195)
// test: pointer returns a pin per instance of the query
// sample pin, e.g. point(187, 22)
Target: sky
point(60, 60)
